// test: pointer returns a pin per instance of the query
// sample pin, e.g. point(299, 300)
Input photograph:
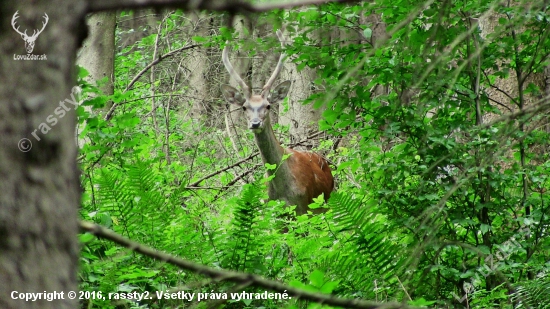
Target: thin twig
point(234, 181)
point(403, 287)
point(196, 183)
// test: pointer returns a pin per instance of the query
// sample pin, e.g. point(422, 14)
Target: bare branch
point(145, 69)
point(234, 181)
point(197, 183)
point(232, 276)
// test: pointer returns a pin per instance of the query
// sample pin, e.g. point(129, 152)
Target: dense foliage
point(440, 148)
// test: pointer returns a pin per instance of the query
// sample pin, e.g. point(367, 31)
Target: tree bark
point(199, 86)
point(98, 50)
point(301, 119)
point(97, 56)
point(39, 191)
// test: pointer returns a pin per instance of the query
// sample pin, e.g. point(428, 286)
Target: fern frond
point(533, 294)
point(243, 242)
point(147, 198)
point(370, 245)
point(134, 200)
point(112, 197)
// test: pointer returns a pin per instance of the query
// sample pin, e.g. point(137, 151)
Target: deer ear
point(232, 95)
point(279, 92)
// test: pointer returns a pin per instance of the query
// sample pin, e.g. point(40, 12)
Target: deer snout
point(255, 124)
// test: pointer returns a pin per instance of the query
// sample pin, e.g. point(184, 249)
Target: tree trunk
point(199, 88)
point(134, 27)
point(98, 50)
point(97, 56)
point(39, 192)
point(301, 119)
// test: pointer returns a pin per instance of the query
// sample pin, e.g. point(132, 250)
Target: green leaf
point(484, 228)
point(119, 96)
point(111, 251)
point(318, 201)
point(86, 237)
point(130, 143)
point(329, 287)
point(317, 278)
point(199, 39)
point(367, 33)
point(421, 302)
point(82, 72)
point(97, 102)
point(270, 167)
point(430, 12)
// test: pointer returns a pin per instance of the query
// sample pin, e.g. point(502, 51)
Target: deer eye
point(244, 108)
point(268, 107)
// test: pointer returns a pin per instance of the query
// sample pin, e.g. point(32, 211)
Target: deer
point(303, 175)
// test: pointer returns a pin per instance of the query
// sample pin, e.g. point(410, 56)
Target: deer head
point(29, 40)
point(256, 107)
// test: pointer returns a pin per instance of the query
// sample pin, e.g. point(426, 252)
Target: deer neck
point(270, 149)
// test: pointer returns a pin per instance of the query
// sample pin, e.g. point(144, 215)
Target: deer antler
point(35, 32)
point(225, 58)
point(44, 23)
point(15, 16)
point(269, 83)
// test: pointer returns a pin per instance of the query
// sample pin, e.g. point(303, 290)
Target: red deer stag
point(301, 177)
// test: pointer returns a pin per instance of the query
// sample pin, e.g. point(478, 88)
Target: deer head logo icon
point(29, 40)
